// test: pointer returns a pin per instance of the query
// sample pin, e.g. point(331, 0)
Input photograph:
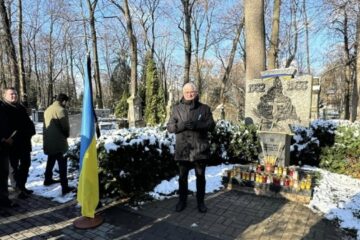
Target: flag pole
point(88, 179)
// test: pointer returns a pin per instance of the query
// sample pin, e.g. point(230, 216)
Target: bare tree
point(306, 22)
point(9, 44)
point(226, 75)
point(255, 38)
point(355, 112)
point(147, 21)
point(203, 14)
point(274, 41)
point(292, 48)
point(22, 82)
point(133, 44)
point(186, 30)
point(98, 90)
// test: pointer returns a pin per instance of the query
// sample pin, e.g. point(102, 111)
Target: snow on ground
point(337, 196)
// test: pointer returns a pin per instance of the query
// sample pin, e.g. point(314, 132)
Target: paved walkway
point(231, 215)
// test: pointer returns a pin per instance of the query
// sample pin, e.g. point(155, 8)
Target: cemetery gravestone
point(134, 113)
point(103, 113)
point(37, 115)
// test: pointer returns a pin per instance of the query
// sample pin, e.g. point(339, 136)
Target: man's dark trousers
point(184, 168)
point(62, 162)
point(4, 174)
point(20, 164)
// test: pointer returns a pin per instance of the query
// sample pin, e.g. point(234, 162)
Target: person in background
point(22, 129)
point(55, 134)
point(191, 121)
point(5, 143)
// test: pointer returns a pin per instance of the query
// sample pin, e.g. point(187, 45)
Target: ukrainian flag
point(88, 187)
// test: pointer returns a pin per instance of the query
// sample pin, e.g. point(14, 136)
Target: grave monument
point(275, 102)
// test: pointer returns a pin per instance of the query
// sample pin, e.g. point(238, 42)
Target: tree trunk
point(39, 93)
point(84, 26)
point(133, 49)
point(50, 88)
point(9, 44)
point(22, 81)
point(255, 38)
point(199, 17)
point(306, 38)
point(2, 70)
point(28, 70)
point(226, 76)
point(98, 91)
point(355, 113)
point(187, 10)
point(72, 71)
point(274, 41)
point(347, 68)
point(293, 51)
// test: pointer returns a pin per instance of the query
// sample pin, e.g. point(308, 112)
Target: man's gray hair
point(190, 84)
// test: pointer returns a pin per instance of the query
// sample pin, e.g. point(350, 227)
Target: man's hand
point(9, 141)
point(6, 142)
point(190, 125)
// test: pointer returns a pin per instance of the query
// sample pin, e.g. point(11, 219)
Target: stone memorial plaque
point(275, 144)
point(277, 100)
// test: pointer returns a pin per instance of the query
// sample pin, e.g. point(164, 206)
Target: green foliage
point(119, 80)
point(121, 108)
point(140, 162)
point(308, 141)
point(244, 144)
point(233, 143)
point(161, 111)
point(343, 157)
point(155, 98)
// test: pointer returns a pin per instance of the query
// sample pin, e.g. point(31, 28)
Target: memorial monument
point(275, 102)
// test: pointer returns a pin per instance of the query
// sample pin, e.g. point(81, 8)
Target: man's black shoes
point(23, 195)
point(202, 208)
point(26, 191)
point(8, 204)
point(66, 190)
point(180, 206)
point(50, 182)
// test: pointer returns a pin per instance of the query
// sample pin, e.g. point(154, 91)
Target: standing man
point(5, 143)
point(56, 131)
point(191, 121)
point(22, 129)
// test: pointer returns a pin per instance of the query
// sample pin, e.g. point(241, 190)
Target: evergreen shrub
point(344, 156)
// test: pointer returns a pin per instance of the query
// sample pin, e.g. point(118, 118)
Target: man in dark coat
point(5, 143)
point(191, 121)
point(22, 130)
point(55, 134)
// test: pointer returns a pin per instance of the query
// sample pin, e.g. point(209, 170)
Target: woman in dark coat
point(191, 121)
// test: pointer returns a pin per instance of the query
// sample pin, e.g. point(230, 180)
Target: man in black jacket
point(5, 143)
point(191, 121)
point(22, 129)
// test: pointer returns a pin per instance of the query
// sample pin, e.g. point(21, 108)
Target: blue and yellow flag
point(88, 187)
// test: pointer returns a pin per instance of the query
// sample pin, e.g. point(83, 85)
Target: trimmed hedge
point(133, 161)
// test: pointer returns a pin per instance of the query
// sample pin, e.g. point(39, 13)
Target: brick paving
point(231, 215)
